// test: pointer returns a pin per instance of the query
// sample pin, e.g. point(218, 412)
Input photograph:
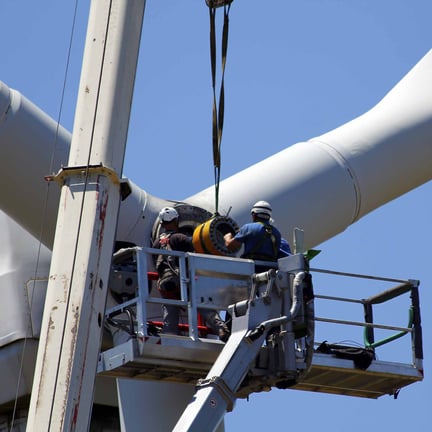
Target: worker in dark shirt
point(169, 280)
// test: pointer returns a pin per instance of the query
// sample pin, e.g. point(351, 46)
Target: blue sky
point(295, 70)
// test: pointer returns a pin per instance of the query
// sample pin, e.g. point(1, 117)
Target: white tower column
point(71, 331)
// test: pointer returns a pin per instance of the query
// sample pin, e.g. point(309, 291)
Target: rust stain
point(72, 352)
point(45, 373)
point(102, 217)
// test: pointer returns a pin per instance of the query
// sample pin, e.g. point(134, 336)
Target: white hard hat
point(168, 214)
point(262, 208)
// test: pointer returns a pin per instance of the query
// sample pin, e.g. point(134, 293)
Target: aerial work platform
point(160, 361)
point(140, 352)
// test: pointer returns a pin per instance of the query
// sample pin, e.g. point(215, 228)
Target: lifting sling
point(218, 112)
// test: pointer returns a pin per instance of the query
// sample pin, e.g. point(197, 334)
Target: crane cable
point(209, 236)
point(218, 112)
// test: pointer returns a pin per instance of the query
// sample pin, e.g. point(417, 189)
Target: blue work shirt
point(258, 243)
point(285, 249)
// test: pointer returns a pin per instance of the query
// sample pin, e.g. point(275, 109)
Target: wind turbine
point(345, 171)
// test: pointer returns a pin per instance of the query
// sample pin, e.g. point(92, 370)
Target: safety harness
point(166, 264)
point(268, 233)
point(167, 268)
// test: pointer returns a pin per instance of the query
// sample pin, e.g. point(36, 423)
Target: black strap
point(263, 239)
point(165, 262)
point(362, 357)
point(218, 113)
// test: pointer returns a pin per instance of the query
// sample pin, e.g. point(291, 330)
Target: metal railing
point(196, 272)
point(135, 309)
point(413, 327)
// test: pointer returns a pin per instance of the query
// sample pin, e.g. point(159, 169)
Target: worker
point(261, 240)
point(169, 280)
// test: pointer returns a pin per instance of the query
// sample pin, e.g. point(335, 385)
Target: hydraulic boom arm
point(275, 302)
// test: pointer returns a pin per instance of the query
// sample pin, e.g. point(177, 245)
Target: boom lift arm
point(275, 304)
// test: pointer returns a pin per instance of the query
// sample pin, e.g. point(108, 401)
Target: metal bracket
point(66, 172)
point(220, 385)
point(218, 3)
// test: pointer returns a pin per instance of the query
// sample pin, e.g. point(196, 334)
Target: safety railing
point(216, 282)
point(206, 282)
point(132, 267)
point(369, 325)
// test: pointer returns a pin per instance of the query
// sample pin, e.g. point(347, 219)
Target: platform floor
point(180, 359)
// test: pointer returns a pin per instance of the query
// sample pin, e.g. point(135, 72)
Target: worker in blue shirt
point(261, 240)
